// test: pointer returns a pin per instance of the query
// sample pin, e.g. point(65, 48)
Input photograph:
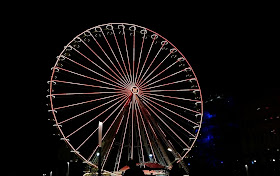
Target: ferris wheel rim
point(52, 80)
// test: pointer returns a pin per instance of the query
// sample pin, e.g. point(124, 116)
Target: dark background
point(231, 47)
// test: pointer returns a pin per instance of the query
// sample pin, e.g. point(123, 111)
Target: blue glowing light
point(208, 138)
point(207, 115)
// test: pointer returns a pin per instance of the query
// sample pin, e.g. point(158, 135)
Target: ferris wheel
point(138, 84)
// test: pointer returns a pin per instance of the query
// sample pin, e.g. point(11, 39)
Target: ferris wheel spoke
point(139, 77)
point(146, 103)
point(89, 110)
point(177, 90)
point(126, 101)
point(151, 128)
point(171, 97)
point(108, 153)
point(152, 62)
point(92, 119)
point(105, 160)
point(144, 97)
point(100, 57)
point(140, 54)
point(151, 104)
point(123, 138)
point(133, 58)
point(97, 64)
point(93, 152)
point(86, 139)
point(86, 93)
point(75, 73)
point(85, 102)
point(145, 86)
point(167, 84)
point(112, 53)
point(146, 132)
point(78, 115)
point(125, 43)
point(158, 138)
point(146, 82)
point(101, 75)
point(139, 134)
point(132, 125)
point(119, 124)
point(86, 85)
point(126, 74)
point(104, 123)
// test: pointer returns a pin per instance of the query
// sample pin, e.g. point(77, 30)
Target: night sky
point(232, 51)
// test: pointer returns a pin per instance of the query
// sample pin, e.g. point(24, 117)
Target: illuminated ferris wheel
point(138, 84)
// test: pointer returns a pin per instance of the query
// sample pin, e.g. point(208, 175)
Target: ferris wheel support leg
point(174, 152)
point(99, 161)
point(162, 155)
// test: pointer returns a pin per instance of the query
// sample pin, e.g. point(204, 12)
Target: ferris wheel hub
point(134, 89)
